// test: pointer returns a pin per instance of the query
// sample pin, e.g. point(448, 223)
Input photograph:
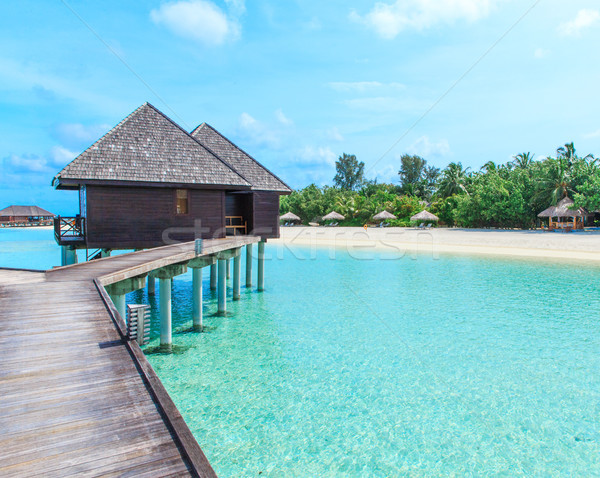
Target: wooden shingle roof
point(25, 211)
point(259, 176)
point(149, 147)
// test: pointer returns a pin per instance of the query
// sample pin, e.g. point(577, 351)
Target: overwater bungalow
point(567, 218)
point(148, 183)
point(25, 215)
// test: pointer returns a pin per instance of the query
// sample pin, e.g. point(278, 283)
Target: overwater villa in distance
point(25, 216)
point(148, 183)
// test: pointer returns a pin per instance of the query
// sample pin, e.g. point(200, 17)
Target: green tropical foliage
point(506, 195)
point(349, 172)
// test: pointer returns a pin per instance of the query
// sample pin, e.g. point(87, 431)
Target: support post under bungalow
point(196, 265)
point(165, 276)
point(249, 265)
point(197, 299)
point(151, 285)
point(213, 277)
point(222, 287)
point(165, 312)
point(68, 255)
point(261, 266)
point(228, 269)
point(237, 266)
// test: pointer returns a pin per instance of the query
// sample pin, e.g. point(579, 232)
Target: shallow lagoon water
point(421, 367)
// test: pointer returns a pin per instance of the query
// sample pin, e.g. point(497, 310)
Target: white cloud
point(540, 53)
point(77, 133)
point(585, 18)
point(199, 20)
point(283, 119)
point(256, 132)
point(309, 164)
point(28, 163)
point(315, 156)
point(389, 19)
point(426, 148)
point(387, 174)
point(60, 156)
point(379, 104)
point(313, 24)
point(594, 134)
point(21, 75)
point(334, 134)
point(361, 86)
point(236, 7)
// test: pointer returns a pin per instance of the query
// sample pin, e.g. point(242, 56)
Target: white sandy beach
point(575, 246)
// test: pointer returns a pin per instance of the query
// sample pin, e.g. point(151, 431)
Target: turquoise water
point(343, 367)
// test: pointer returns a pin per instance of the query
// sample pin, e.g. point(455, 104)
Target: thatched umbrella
point(290, 216)
point(424, 216)
point(333, 216)
point(383, 216)
point(562, 210)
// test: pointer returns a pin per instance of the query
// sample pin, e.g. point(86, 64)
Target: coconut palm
point(523, 160)
point(453, 180)
point(568, 152)
point(556, 184)
point(489, 167)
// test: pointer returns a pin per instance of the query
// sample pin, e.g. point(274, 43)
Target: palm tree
point(489, 167)
point(568, 152)
point(557, 182)
point(453, 180)
point(523, 160)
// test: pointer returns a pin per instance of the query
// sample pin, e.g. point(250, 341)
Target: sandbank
point(397, 241)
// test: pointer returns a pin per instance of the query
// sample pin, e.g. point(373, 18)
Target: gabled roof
point(25, 211)
point(147, 146)
point(259, 176)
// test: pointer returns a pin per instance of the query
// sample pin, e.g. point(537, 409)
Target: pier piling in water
point(165, 276)
point(68, 255)
point(196, 265)
point(261, 266)
point(237, 265)
point(249, 265)
point(222, 288)
point(165, 312)
point(213, 277)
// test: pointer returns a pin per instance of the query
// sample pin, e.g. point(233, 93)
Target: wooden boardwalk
point(75, 397)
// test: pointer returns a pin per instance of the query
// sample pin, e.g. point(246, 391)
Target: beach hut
point(333, 216)
point(566, 217)
point(148, 182)
point(383, 216)
point(25, 215)
point(424, 216)
point(290, 217)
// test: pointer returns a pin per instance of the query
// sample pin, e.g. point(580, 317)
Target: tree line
point(508, 195)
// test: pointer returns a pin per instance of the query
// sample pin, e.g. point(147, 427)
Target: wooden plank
point(63, 414)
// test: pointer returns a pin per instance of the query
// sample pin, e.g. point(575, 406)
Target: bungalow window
point(182, 201)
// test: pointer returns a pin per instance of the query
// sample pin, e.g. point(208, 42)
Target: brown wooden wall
point(136, 218)
point(266, 214)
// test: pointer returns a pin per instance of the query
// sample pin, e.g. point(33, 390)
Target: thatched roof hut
point(424, 216)
point(333, 216)
point(383, 216)
point(289, 216)
point(563, 209)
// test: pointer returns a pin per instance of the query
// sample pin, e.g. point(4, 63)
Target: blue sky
point(298, 83)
